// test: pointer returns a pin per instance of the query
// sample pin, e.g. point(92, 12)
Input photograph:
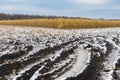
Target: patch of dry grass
point(64, 23)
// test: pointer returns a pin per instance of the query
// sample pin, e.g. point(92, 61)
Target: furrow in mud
point(101, 67)
point(7, 58)
point(16, 66)
point(29, 73)
point(116, 73)
point(49, 69)
point(48, 62)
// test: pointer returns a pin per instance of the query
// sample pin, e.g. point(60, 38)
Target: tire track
point(16, 66)
point(35, 67)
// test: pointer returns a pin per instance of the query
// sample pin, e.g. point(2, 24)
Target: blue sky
point(76, 8)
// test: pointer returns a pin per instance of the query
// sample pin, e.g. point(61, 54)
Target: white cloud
point(20, 9)
point(92, 2)
point(30, 10)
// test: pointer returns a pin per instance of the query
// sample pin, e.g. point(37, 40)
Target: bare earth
point(32, 53)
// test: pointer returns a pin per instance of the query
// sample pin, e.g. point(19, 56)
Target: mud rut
point(51, 62)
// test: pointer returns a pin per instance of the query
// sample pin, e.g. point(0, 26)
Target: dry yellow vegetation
point(63, 23)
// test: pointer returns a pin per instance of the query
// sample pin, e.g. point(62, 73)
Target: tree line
point(4, 16)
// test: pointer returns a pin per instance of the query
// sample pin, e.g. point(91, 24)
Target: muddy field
point(53, 54)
